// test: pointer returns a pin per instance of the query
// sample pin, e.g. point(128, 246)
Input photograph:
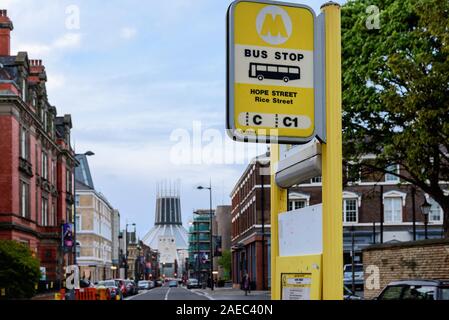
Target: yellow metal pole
point(278, 204)
point(332, 160)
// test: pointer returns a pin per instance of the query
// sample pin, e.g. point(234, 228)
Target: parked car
point(173, 283)
point(114, 290)
point(158, 283)
point(358, 275)
point(193, 284)
point(131, 287)
point(86, 284)
point(416, 290)
point(349, 294)
point(145, 285)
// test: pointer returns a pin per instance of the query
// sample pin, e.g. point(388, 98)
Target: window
point(283, 69)
point(24, 144)
point(392, 293)
point(353, 172)
point(44, 172)
point(24, 90)
point(78, 223)
point(294, 70)
point(272, 69)
point(436, 212)
point(391, 177)
point(392, 210)
point(69, 181)
point(296, 204)
point(44, 212)
point(42, 113)
point(419, 293)
point(53, 172)
point(46, 121)
point(78, 249)
point(53, 214)
point(24, 200)
point(350, 210)
point(261, 68)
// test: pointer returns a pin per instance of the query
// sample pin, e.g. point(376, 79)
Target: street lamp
point(88, 154)
point(425, 209)
point(211, 265)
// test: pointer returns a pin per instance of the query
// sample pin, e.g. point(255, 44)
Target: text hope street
point(275, 94)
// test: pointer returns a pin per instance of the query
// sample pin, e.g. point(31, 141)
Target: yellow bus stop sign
point(271, 72)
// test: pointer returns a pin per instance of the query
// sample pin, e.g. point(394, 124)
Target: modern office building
point(200, 245)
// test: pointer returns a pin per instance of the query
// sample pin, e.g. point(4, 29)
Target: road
point(181, 293)
point(166, 293)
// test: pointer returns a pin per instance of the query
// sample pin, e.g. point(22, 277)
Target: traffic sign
point(273, 72)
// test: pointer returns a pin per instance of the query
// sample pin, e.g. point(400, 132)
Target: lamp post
point(211, 257)
point(425, 209)
point(87, 154)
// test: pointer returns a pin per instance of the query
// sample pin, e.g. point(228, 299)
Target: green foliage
point(225, 262)
point(19, 271)
point(396, 90)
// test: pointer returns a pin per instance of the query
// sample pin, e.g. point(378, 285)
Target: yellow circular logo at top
point(274, 25)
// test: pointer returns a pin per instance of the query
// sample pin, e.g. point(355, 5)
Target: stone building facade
point(95, 220)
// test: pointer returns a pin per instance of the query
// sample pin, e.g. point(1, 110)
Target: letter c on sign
point(287, 121)
point(257, 120)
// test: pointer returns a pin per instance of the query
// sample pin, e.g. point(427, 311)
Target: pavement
point(44, 296)
point(182, 293)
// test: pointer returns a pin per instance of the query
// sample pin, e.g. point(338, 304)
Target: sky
point(144, 82)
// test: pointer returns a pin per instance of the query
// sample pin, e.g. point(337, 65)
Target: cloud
point(56, 81)
point(128, 33)
point(66, 41)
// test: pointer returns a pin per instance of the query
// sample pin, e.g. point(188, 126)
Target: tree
point(396, 93)
point(19, 271)
point(225, 262)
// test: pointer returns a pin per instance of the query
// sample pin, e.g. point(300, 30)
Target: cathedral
point(168, 235)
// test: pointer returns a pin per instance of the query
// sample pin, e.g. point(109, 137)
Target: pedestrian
point(246, 284)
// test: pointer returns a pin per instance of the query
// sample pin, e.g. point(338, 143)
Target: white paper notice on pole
point(301, 231)
point(296, 286)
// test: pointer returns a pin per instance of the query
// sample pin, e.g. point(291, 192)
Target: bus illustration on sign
point(274, 71)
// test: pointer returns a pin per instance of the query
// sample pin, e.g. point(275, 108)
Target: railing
point(85, 294)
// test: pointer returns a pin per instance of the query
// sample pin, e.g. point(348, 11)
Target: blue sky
point(132, 73)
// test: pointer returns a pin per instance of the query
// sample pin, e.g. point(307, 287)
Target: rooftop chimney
point(5, 33)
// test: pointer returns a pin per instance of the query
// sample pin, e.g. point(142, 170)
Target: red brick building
point(250, 231)
point(36, 160)
point(377, 208)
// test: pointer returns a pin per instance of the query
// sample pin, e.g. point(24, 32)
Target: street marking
point(139, 294)
point(203, 294)
point(166, 295)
